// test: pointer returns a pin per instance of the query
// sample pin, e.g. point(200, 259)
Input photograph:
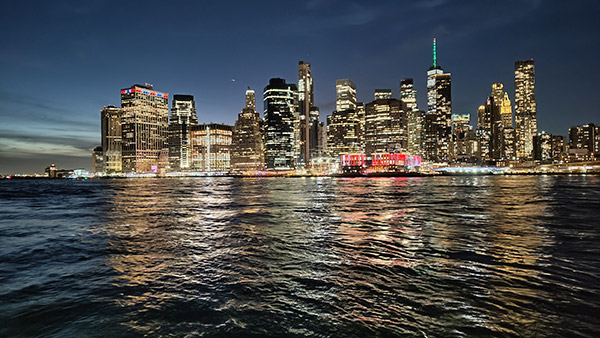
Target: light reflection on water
point(444, 256)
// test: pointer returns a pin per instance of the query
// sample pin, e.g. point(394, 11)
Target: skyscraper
point(111, 139)
point(416, 131)
point(386, 126)
point(344, 125)
point(144, 127)
point(345, 95)
point(309, 114)
point(280, 124)
point(383, 94)
point(525, 108)
point(247, 152)
point(484, 128)
point(496, 123)
point(183, 117)
point(439, 104)
point(408, 94)
point(211, 147)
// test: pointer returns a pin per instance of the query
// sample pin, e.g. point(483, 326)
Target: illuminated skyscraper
point(344, 126)
point(383, 94)
point(345, 95)
point(496, 123)
point(386, 126)
point(247, 153)
point(408, 94)
point(144, 127)
point(525, 108)
point(183, 117)
point(484, 128)
point(211, 147)
point(111, 117)
point(280, 124)
point(439, 104)
point(464, 145)
point(309, 114)
point(416, 131)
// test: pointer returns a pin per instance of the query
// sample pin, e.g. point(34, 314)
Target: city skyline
point(60, 123)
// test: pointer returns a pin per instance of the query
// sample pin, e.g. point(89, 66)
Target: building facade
point(280, 125)
point(585, 137)
point(144, 128)
point(183, 117)
point(525, 109)
point(247, 150)
point(386, 126)
point(110, 121)
point(211, 147)
point(439, 104)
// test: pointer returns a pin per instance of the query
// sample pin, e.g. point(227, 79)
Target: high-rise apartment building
point(110, 121)
point(280, 124)
point(439, 104)
point(211, 147)
point(144, 127)
point(183, 117)
point(548, 148)
point(585, 137)
point(525, 108)
point(247, 153)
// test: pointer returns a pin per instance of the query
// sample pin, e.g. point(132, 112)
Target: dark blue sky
point(62, 61)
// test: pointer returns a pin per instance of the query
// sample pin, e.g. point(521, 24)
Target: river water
point(294, 257)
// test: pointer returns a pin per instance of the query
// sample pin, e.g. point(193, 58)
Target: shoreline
point(373, 175)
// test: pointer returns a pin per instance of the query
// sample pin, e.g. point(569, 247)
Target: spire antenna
point(434, 54)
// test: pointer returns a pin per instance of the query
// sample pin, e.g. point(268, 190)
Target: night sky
point(62, 61)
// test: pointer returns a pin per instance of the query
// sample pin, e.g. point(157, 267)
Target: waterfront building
point(548, 148)
point(211, 147)
point(281, 150)
point(144, 127)
point(408, 94)
point(98, 164)
point(525, 109)
point(344, 133)
point(247, 153)
point(585, 137)
point(110, 121)
point(439, 104)
point(183, 117)
point(308, 114)
point(386, 126)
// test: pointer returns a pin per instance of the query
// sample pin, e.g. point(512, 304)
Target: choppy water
point(435, 257)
